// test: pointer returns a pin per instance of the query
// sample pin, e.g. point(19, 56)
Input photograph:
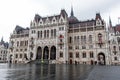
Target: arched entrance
point(101, 59)
point(91, 62)
point(53, 53)
point(39, 53)
point(71, 61)
point(46, 53)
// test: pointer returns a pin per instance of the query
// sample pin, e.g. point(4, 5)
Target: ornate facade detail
point(63, 39)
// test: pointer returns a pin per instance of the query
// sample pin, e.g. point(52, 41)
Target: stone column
point(42, 53)
point(49, 53)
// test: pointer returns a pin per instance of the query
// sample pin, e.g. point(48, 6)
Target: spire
point(2, 39)
point(110, 23)
point(72, 14)
point(111, 29)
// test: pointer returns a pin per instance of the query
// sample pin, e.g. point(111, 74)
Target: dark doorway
point(91, 62)
point(39, 53)
point(46, 53)
point(71, 61)
point(101, 59)
point(53, 53)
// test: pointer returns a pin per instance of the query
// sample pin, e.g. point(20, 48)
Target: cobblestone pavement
point(104, 73)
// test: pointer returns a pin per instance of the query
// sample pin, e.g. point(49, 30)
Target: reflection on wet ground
point(44, 72)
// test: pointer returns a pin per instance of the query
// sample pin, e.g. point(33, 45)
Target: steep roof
point(38, 17)
point(18, 28)
point(117, 28)
point(5, 44)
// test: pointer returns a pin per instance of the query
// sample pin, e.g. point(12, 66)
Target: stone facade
point(3, 51)
point(114, 43)
point(61, 39)
point(18, 47)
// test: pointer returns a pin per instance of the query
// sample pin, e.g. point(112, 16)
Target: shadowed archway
point(39, 53)
point(101, 59)
point(53, 53)
point(46, 52)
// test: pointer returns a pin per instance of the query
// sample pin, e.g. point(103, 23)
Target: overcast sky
point(21, 12)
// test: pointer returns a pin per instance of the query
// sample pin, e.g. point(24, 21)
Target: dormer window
point(98, 22)
point(53, 20)
point(61, 21)
point(40, 22)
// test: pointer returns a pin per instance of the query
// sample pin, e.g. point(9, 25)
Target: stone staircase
point(39, 61)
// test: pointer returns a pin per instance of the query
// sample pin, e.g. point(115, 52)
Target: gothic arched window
point(54, 32)
point(45, 34)
point(90, 38)
point(70, 39)
point(100, 38)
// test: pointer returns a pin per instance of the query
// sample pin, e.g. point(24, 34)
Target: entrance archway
point(91, 62)
point(101, 59)
point(71, 61)
point(53, 53)
point(39, 53)
point(46, 53)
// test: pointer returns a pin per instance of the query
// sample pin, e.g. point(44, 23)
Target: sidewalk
point(104, 73)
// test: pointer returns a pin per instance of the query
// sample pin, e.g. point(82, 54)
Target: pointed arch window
point(90, 38)
point(91, 54)
point(54, 32)
point(71, 55)
point(41, 34)
point(100, 37)
point(38, 34)
point(47, 33)
point(70, 39)
point(44, 33)
point(75, 39)
point(77, 54)
point(84, 39)
point(84, 54)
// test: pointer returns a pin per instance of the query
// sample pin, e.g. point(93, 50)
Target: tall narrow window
point(44, 33)
point(90, 38)
point(77, 54)
point(70, 39)
point(84, 54)
point(100, 38)
point(20, 55)
point(61, 54)
point(91, 54)
point(38, 34)
point(54, 32)
point(47, 33)
point(75, 39)
point(41, 34)
point(71, 55)
point(84, 39)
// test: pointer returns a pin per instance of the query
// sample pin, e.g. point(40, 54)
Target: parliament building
point(61, 39)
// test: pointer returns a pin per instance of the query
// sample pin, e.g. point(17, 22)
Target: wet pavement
point(58, 72)
point(44, 72)
point(105, 73)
